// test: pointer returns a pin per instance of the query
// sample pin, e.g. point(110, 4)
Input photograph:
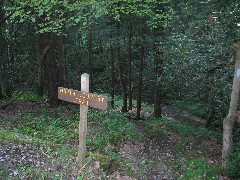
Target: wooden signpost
point(85, 99)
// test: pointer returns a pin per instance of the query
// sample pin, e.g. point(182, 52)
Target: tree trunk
point(50, 68)
point(232, 114)
point(158, 70)
point(61, 61)
point(2, 54)
point(112, 62)
point(40, 87)
point(121, 73)
point(41, 79)
point(1, 93)
point(130, 88)
point(122, 83)
point(5, 67)
point(90, 64)
point(140, 80)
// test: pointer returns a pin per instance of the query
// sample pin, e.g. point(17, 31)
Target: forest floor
point(176, 147)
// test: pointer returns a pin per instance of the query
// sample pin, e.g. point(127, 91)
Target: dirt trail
point(158, 159)
point(184, 116)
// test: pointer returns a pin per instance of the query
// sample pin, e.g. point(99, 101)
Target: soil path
point(158, 159)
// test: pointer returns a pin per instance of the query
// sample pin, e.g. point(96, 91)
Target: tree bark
point(158, 70)
point(50, 68)
point(130, 87)
point(121, 73)
point(90, 63)
point(40, 87)
point(112, 62)
point(41, 79)
point(2, 45)
point(5, 59)
point(140, 79)
point(1, 93)
point(61, 61)
point(232, 114)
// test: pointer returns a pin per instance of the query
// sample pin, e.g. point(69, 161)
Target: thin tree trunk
point(90, 63)
point(140, 79)
point(62, 62)
point(130, 90)
point(122, 83)
point(158, 70)
point(1, 77)
point(2, 45)
point(112, 62)
point(120, 70)
point(40, 88)
point(4, 72)
point(1, 93)
point(232, 114)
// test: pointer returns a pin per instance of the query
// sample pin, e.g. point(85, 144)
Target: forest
point(170, 70)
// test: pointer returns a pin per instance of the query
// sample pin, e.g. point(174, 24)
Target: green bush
point(233, 170)
point(26, 96)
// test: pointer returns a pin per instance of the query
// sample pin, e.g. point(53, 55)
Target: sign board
point(83, 98)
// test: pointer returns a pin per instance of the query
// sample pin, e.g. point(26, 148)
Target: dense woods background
point(178, 52)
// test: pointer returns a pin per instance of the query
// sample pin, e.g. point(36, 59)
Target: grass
point(24, 97)
point(200, 169)
point(57, 129)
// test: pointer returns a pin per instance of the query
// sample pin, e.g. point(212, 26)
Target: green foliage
point(4, 173)
point(7, 135)
point(113, 127)
point(200, 169)
point(233, 165)
point(199, 63)
point(28, 96)
point(52, 129)
point(24, 97)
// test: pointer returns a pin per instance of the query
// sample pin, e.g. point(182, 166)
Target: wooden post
point(85, 99)
point(83, 121)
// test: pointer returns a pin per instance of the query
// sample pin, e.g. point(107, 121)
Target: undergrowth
point(58, 128)
point(200, 169)
point(195, 166)
point(22, 97)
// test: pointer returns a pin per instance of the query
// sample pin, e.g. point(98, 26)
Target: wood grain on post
point(83, 122)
